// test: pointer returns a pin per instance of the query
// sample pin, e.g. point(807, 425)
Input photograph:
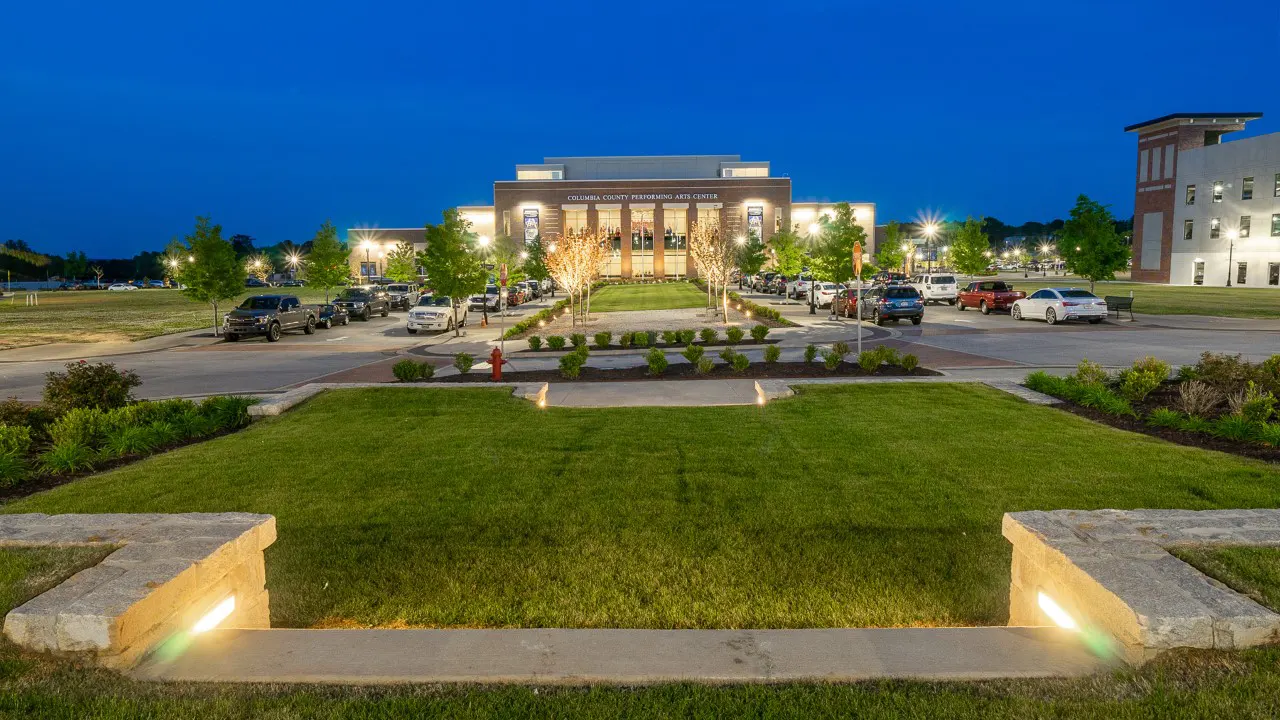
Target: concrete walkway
point(625, 657)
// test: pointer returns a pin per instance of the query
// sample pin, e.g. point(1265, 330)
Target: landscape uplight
point(814, 228)
point(191, 258)
point(483, 240)
point(906, 246)
point(740, 240)
point(219, 613)
point(1055, 612)
point(524, 256)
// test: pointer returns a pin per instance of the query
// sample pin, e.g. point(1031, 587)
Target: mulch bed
point(1203, 441)
point(660, 345)
point(685, 371)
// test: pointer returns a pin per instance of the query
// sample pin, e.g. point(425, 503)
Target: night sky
point(119, 124)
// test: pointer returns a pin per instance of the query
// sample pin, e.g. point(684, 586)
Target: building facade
point(645, 205)
point(1206, 212)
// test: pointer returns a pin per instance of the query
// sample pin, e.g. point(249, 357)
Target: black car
point(363, 301)
point(331, 315)
point(893, 302)
point(292, 283)
point(254, 282)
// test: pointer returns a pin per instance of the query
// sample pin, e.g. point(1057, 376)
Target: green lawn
point(1254, 571)
point(100, 315)
point(794, 515)
point(648, 296)
point(1254, 302)
point(1191, 685)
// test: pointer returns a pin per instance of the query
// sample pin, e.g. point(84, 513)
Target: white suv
point(435, 312)
point(798, 289)
point(936, 288)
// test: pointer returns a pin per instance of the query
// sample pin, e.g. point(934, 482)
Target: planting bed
point(686, 371)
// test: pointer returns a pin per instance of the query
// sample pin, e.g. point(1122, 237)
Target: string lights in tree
point(714, 255)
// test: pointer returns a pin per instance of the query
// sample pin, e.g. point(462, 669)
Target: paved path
point(625, 657)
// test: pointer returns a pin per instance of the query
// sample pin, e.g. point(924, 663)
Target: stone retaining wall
point(168, 572)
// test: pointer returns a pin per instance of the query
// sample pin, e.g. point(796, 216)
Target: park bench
point(1116, 303)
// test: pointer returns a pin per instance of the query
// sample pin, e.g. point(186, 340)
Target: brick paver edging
point(533, 392)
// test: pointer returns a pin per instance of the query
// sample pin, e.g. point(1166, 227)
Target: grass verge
point(1253, 571)
point(647, 296)
point(723, 517)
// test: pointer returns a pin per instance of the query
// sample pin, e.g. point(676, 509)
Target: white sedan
point(121, 287)
point(1056, 304)
point(435, 312)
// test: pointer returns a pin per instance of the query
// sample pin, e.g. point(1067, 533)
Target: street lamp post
point(906, 256)
point(367, 247)
point(930, 231)
point(293, 266)
point(814, 229)
point(1232, 235)
point(483, 242)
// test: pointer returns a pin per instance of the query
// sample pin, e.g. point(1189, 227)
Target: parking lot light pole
point(1232, 236)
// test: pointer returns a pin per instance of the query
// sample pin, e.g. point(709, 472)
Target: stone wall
point(168, 572)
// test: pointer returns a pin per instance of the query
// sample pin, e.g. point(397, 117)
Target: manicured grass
point(870, 505)
point(1254, 571)
point(27, 572)
point(1255, 302)
point(101, 315)
point(648, 296)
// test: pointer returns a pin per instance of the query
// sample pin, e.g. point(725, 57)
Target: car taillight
point(1071, 303)
point(885, 301)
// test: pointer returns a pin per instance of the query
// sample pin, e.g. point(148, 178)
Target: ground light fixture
point(215, 616)
point(1055, 612)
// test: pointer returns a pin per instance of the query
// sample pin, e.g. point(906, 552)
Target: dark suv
point(363, 302)
point(269, 315)
point(893, 302)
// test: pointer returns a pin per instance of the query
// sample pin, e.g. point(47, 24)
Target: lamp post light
point(930, 232)
point(906, 256)
point(293, 266)
point(367, 247)
point(1232, 236)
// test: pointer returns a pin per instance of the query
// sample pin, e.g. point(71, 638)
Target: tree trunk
point(586, 313)
point(457, 329)
point(1091, 285)
point(724, 302)
point(215, 318)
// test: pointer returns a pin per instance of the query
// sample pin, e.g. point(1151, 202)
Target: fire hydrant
point(496, 362)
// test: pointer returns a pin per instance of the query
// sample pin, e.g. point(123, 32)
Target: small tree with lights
point(259, 265)
point(714, 255)
point(573, 260)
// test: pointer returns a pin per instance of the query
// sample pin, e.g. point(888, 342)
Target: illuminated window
point(1246, 222)
point(676, 221)
point(1217, 191)
point(506, 223)
point(539, 174)
point(1215, 228)
point(610, 222)
point(575, 220)
point(1188, 228)
point(641, 231)
point(1246, 189)
point(1191, 194)
point(708, 215)
point(746, 172)
point(1275, 225)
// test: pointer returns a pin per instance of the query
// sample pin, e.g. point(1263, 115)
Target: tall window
point(1246, 189)
point(1217, 191)
point(574, 220)
point(1277, 185)
point(1245, 223)
point(1275, 225)
point(506, 223)
point(1215, 228)
point(1188, 228)
point(1242, 272)
point(676, 221)
point(1273, 273)
point(641, 230)
point(1191, 194)
point(610, 222)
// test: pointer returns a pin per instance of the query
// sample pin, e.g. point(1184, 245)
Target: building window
point(1191, 194)
point(1275, 225)
point(610, 221)
point(677, 222)
point(574, 220)
point(746, 172)
point(1273, 273)
point(1215, 228)
point(641, 231)
point(506, 223)
point(539, 174)
point(1198, 279)
point(1277, 185)
point(1188, 228)
point(1245, 223)
point(1242, 272)
point(1246, 189)
point(1217, 191)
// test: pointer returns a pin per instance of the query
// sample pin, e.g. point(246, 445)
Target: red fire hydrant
point(496, 361)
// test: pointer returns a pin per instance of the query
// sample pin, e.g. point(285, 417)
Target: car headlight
point(260, 319)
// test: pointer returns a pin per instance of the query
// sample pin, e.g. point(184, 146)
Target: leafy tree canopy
point(1090, 245)
point(326, 265)
point(787, 252)
point(451, 265)
point(969, 247)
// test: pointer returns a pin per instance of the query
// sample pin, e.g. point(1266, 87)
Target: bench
point(1116, 303)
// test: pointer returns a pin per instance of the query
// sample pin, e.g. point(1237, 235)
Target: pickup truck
point(988, 295)
point(269, 315)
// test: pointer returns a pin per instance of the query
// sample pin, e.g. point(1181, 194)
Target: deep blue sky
point(119, 122)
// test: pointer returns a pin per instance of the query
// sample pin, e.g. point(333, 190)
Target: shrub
point(426, 370)
point(705, 365)
point(1155, 366)
point(193, 423)
point(772, 353)
point(740, 362)
point(810, 352)
point(831, 359)
point(571, 364)
point(555, 342)
point(603, 339)
point(34, 417)
point(909, 362)
point(1100, 398)
point(1090, 373)
point(708, 335)
point(1234, 427)
point(1187, 372)
point(657, 361)
point(1165, 418)
point(13, 469)
point(1196, 397)
point(406, 370)
point(1137, 384)
point(727, 354)
point(81, 426)
point(640, 339)
point(1268, 434)
point(687, 336)
point(463, 361)
point(582, 350)
point(840, 348)
point(86, 385)
point(888, 355)
point(578, 340)
point(15, 440)
point(132, 440)
point(535, 342)
point(67, 457)
point(693, 353)
point(670, 337)
point(1228, 373)
point(1043, 382)
point(1253, 403)
point(869, 360)
point(759, 333)
point(1195, 423)
point(228, 412)
point(734, 335)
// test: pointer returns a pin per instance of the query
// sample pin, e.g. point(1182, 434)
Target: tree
point(751, 255)
point(327, 265)
point(714, 256)
point(788, 255)
point(969, 247)
point(1090, 245)
point(451, 267)
point(402, 263)
point(259, 265)
point(535, 264)
point(512, 253)
point(98, 272)
point(76, 264)
point(575, 261)
point(832, 257)
point(243, 245)
point(889, 254)
point(214, 273)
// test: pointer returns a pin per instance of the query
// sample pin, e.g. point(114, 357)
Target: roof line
point(1245, 116)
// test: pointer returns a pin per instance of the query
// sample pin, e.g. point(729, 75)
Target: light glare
point(219, 613)
point(1056, 613)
